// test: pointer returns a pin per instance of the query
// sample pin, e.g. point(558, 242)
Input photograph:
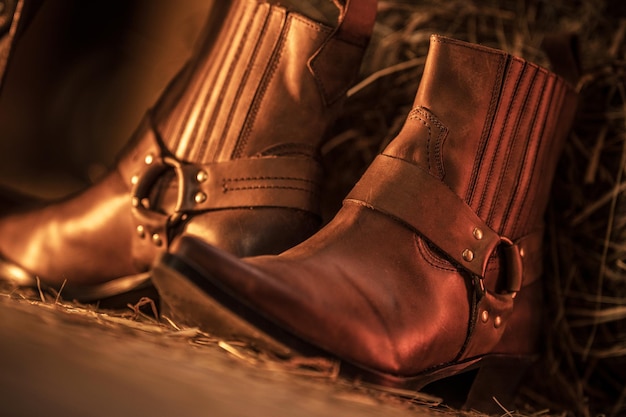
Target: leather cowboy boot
point(432, 266)
point(229, 153)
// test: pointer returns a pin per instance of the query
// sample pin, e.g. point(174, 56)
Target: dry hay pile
point(583, 369)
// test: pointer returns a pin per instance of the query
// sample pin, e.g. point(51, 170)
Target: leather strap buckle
point(144, 211)
point(513, 266)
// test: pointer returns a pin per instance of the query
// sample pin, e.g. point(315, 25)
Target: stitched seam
point(262, 89)
point(493, 105)
point(527, 163)
point(242, 83)
point(472, 47)
point(499, 141)
point(269, 178)
point(226, 189)
point(514, 137)
point(195, 132)
point(438, 151)
point(418, 116)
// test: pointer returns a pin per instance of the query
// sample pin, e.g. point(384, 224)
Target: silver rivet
point(513, 295)
point(134, 179)
point(135, 202)
point(202, 176)
point(145, 203)
point(200, 197)
point(141, 231)
point(521, 252)
point(478, 234)
point(468, 255)
point(149, 159)
point(156, 239)
point(497, 322)
point(484, 316)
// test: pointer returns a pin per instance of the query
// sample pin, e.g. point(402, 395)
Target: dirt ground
point(60, 359)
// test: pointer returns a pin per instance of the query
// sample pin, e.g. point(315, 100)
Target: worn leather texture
point(229, 152)
point(434, 260)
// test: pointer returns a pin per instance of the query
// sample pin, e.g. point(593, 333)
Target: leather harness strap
point(272, 181)
point(408, 193)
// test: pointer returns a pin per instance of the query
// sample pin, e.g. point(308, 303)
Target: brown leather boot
point(432, 266)
point(229, 153)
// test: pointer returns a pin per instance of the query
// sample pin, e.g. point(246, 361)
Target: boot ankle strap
point(417, 199)
point(271, 181)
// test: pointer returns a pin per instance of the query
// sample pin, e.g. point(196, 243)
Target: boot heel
point(497, 379)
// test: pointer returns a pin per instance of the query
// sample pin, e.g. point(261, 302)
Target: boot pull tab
point(333, 64)
point(356, 21)
point(563, 51)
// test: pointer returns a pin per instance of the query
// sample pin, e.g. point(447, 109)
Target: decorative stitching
point(426, 115)
point(417, 115)
point(269, 178)
point(226, 189)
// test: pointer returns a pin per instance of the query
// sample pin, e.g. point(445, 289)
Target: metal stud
point(135, 202)
point(521, 252)
point(156, 239)
point(202, 176)
point(468, 255)
point(484, 316)
point(145, 203)
point(134, 179)
point(478, 233)
point(141, 231)
point(497, 322)
point(200, 197)
point(149, 159)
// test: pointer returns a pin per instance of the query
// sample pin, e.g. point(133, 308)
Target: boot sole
point(111, 294)
point(193, 299)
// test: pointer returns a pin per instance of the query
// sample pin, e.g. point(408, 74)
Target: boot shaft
point(270, 84)
point(491, 127)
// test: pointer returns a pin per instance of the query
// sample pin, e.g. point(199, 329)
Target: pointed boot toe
point(228, 153)
point(432, 267)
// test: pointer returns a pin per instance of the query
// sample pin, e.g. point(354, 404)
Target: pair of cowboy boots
point(433, 265)
point(430, 269)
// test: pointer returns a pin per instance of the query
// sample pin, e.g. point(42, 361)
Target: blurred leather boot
point(228, 153)
point(432, 266)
